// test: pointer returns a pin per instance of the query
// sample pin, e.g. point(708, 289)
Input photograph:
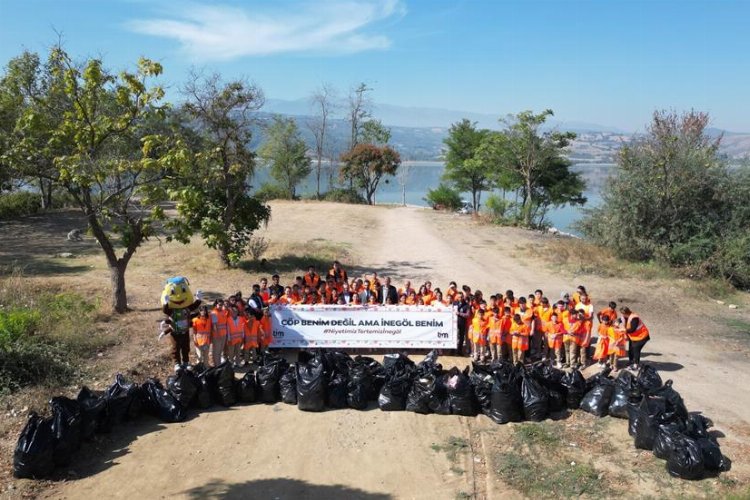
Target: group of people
point(516, 329)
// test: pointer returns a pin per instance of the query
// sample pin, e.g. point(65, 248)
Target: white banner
point(363, 326)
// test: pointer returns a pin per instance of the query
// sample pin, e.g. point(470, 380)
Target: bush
point(344, 195)
point(19, 203)
point(43, 335)
point(498, 208)
point(269, 191)
point(443, 197)
point(257, 247)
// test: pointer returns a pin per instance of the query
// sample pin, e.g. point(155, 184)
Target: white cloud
point(220, 32)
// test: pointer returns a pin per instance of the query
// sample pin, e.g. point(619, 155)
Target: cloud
point(221, 32)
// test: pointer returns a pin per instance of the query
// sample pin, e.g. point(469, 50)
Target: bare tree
point(403, 179)
point(359, 110)
point(322, 101)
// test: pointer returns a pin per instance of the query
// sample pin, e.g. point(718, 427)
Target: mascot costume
point(179, 305)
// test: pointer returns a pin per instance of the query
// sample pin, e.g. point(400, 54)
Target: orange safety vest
point(479, 328)
point(544, 315)
point(555, 333)
point(520, 336)
point(496, 332)
point(202, 329)
point(219, 320)
point(641, 332)
point(237, 328)
point(312, 280)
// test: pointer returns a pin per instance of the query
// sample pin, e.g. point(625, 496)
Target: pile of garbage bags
point(658, 419)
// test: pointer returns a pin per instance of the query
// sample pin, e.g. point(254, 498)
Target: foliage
point(463, 168)
point(366, 164)
point(675, 200)
point(374, 132)
point(43, 336)
point(285, 151)
point(89, 131)
point(19, 203)
point(344, 195)
point(533, 163)
point(323, 104)
point(211, 186)
point(269, 191)
point(443, 197)
point(499, 208)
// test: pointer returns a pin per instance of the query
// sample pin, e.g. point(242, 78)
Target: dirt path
point(279, 452)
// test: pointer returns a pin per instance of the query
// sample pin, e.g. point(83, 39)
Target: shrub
point(16, 324)
point(19, 203)
point(257, 247)
point(269, 191)
point(443, 197)
point(345, 195)
point(498, 208)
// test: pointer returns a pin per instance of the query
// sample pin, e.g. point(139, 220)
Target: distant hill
point(418, 133)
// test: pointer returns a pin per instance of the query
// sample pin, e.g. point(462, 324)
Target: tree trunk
point(45, 188)
point(527, 203)
point(317, 176)
point(119, 296)
point(224, 259)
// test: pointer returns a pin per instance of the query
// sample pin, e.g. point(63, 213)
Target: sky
point(609, 62)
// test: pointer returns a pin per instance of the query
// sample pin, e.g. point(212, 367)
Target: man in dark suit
point(346, 294)
point(389, 294)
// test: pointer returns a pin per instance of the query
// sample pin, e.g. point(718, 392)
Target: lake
point(423, 176)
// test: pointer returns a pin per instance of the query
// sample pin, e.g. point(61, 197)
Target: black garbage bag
point(336, 362)
point(93, 412)
point(161, 403)
point(396, 388)
point(460, 392)
point(598, 399)
point(33, 456)
point(311, 385)
point(246, 388)
point(421, 393)
point(359, 387)
point(123, 400)
point(288, 386)
point(575, 386)
point(665, 440)
point(440, 402)
point(535, 399)
point(686, 459)
point(506, 400)
point(268, 377)
point(482, 380)
point(220, 382)
point(593, 381)
point(337, 390)
point(697, 426)
point(66, 427)
point(713, 460)
point(675, 403)
point(184, 387)
point(430, 365)
point(203, 397)
point(377, 375)
point(644, 421)
point(396, 361)
point(649, 379)
point(627, 393)
point(551, 379)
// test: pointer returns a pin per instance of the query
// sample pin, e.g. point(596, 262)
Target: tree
point(32, 103)
point(463, 168)
point(322, 101)
point(104, 156)
point(359, 111)
point(535, 160)
point(367, 163)
point(211, 189)
point(666, 200)
point(286, 152)
point(374, 132)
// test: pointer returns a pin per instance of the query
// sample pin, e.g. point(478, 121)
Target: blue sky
point(600, 61)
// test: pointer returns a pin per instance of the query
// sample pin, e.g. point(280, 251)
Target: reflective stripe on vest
point(641, 332)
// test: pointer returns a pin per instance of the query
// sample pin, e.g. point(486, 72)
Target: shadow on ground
point(280, 489)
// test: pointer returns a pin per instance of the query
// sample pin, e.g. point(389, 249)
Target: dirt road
point(277, 451)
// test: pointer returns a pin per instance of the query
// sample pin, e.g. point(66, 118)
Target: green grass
point(453, 446)
point(542, 434)
point(549, 476)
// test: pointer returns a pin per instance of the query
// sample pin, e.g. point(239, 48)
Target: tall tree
point(359, 111)
point(286, 152)
point(104, 155)
point(366, 164)
point(323, 104)
point(463, 168)
point(211, 191)
point(32, 104)
point(536, 159)
point(374, 132)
